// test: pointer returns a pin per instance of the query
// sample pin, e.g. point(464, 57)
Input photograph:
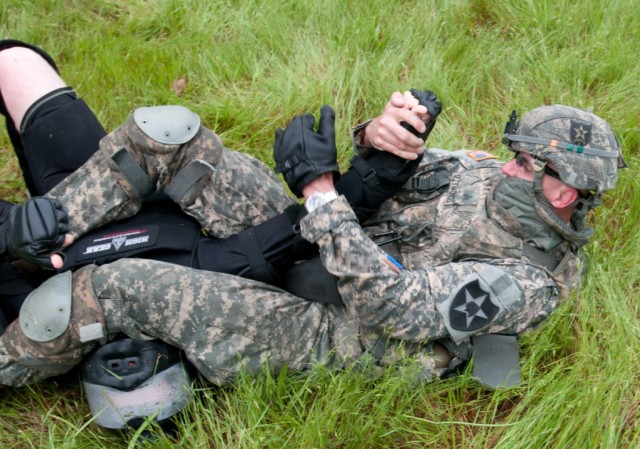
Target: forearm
point(382, 298)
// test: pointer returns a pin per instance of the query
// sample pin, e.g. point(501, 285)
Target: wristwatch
point(320, 199)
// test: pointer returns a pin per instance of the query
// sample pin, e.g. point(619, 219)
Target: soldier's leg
point(165, 147)
point(223, 323)
point(52, 131)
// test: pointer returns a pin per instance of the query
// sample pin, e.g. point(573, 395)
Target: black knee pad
point(10, 43)
point(127, 381)
point(59, 134)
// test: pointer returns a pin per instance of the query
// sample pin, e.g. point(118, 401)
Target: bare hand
point(386, 133)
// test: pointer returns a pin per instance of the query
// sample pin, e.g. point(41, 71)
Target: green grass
point(250, 66)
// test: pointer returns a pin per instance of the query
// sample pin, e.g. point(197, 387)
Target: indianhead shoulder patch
point(472, 308)
point(580, 133)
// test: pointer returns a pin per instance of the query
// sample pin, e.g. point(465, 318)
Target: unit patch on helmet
point(471, 308)
point(580, 133)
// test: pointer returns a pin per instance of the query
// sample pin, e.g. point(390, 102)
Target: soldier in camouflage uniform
point(53, 132)
point(469, 247)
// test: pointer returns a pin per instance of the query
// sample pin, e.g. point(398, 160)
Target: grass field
point(247, 67)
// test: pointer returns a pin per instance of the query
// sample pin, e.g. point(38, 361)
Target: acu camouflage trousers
point(236, 192)
point(223, 323)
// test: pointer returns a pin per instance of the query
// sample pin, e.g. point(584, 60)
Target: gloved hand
point(34, 230)
point(302, 154)
point(429, 100)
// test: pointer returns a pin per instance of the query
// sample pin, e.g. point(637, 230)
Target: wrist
point(319, 199)
point(359, 135)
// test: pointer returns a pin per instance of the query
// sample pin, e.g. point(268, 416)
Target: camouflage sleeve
point(456, 299)
point(357, 134)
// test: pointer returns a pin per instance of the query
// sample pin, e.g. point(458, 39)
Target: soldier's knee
point(169, 125)
point(53, 331)
point(155, 144)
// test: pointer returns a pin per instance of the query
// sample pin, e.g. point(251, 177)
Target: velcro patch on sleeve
point(477, 155)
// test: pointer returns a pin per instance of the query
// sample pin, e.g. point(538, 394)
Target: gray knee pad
point(156, 132)
point(46, 313)
point(169, 124)
point(128, 381)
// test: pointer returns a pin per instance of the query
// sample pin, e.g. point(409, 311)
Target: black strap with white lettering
point(160, 231)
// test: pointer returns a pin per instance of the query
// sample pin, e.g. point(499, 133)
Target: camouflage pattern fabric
point(465, 274)
point(227, 324)
point(403, 305)
point(582, 145)
point(98, 193)
point(223, 323)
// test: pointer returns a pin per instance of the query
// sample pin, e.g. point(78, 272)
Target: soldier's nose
point(510, 168)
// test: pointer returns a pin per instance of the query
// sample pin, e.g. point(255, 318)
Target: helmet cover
point(581, 145)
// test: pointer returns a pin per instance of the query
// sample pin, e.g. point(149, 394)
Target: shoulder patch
point(480, 155)
point(472, 308)
point(480, 299)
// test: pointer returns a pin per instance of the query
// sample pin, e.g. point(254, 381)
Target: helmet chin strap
point(573, 231)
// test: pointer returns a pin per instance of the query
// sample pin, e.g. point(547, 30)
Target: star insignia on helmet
point(580, 133)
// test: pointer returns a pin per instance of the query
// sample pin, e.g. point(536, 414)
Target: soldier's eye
point(521, 161)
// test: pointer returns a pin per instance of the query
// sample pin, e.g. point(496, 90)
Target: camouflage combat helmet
point(585, 154)
point(582, 146)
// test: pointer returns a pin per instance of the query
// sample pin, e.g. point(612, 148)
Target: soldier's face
point(522, 167)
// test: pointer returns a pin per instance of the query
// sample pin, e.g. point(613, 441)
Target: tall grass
point(248, 67)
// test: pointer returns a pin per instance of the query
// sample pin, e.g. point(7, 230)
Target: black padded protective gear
point(428, 99)
point(275, 240)
point(372, 180)
point(33, 230)
point(126, 363)
point(310, 280)
point(59, 135)
point(302, 154)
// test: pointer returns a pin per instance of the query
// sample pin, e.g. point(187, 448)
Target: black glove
point(428, 99)
point(34, 230)
point(302, 154)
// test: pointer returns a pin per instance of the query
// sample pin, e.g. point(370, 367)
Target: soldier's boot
point(165, 148)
